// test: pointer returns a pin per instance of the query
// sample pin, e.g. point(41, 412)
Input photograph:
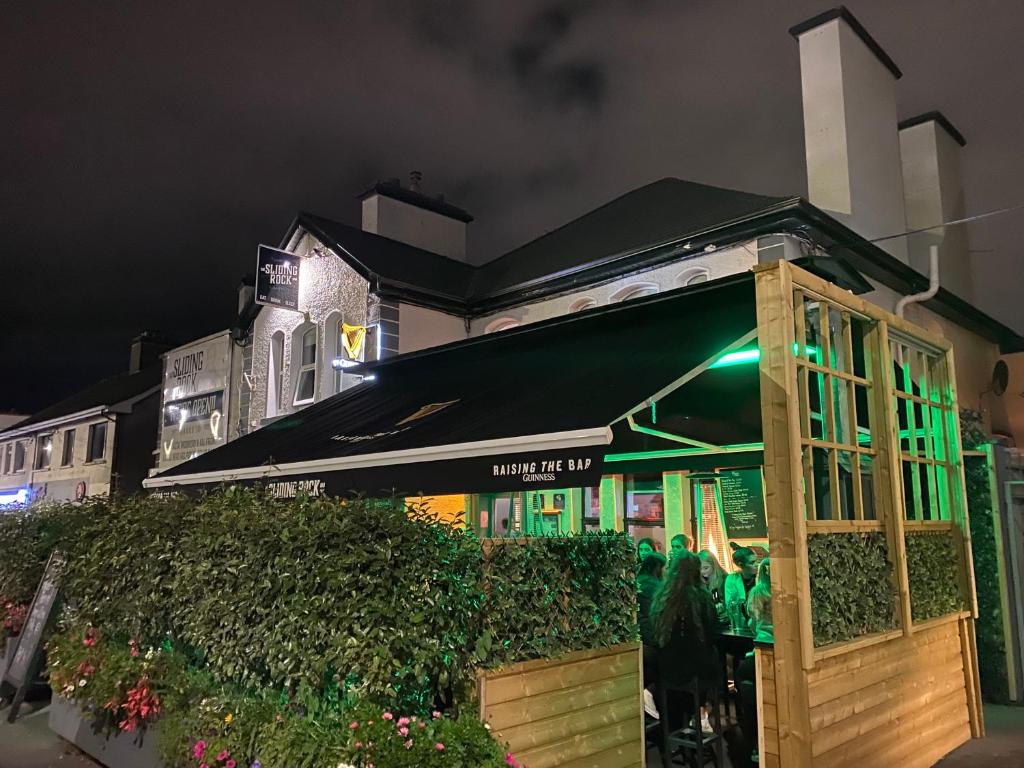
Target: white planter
point(122, 750)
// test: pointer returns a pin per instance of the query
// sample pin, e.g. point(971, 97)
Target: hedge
point(362, 594)
point(933, 574)
point(852, 590)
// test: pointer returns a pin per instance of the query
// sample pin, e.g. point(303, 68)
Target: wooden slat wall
point(903, 702)
point(582, 709)
point(767, 711)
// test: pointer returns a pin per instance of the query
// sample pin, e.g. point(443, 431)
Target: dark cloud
point(148, 147)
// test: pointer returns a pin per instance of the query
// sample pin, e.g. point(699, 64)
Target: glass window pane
point(305, 387)
point(97, 442)
point(309, 347)
point(19, 456)
point(68, 452)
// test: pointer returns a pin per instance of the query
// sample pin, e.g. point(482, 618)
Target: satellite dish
point(1000, 377)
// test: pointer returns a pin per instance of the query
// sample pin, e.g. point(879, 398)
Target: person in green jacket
point(738, 585)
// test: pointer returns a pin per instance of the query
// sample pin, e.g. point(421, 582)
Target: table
point(736, 643)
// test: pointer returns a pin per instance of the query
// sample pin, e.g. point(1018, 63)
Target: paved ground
point(29, 743)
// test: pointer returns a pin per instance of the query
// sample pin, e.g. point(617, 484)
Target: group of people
point(685, 600)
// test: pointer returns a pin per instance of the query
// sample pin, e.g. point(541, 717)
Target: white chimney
point(930, 148)
point(852, 145)
point(408, 215)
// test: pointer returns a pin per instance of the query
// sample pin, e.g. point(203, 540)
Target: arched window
point(693, 276)
point(581, 304)
point(501, 324)
point(635, 291)
point(275, 375)
point(304, 354)
point(333, 343)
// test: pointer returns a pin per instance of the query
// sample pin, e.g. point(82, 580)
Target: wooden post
point(676, 500)
point(888, 486)
point(612, 514)
point(787, 530)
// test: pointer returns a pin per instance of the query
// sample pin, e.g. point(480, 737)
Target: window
point(635, 291)
point(645, 508)
point(501, 324)
point(97, 442)
point(44, 449)
point(19, 456)
point(275, 375)
point(693, 276)
point(6, 454)
point(305, 381)
point(67, 456)
point(581, 304)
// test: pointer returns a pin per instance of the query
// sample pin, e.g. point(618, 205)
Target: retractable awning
point(532, 407)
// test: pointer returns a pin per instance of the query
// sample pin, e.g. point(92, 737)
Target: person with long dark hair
point(684, 627)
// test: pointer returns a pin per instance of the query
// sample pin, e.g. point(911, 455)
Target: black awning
point(526, 408)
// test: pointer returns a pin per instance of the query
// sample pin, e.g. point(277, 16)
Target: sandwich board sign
point(24, 663)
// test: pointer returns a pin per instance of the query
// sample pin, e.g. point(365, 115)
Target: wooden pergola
point(910, 694)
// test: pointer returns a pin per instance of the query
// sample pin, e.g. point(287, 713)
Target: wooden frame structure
point(876, 699)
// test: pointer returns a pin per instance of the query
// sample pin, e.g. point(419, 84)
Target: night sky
point(147, 148)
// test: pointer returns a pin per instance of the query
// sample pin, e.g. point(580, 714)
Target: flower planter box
point(8, 655)
point(584, 708)
point(121, 751)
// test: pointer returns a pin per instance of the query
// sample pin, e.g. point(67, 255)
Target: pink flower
point(203, 765)
point(435, 714)
point(223, 755)
point(403, 731)
point(353, 725)
point(439, 747)
point(229, 764)
point(408, 744)
point(509, 760)
point(388, 716)
point(198, 749)
point(403, 721)
point(359, 745)
point(421, 724)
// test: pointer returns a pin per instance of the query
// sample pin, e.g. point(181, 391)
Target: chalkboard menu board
point(23, 666)
point(743, 503)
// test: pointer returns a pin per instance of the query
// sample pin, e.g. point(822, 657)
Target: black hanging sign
point(277, 278)
point(743, 503)
point(24, 664)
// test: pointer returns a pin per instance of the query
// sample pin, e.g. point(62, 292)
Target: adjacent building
point(93, 443)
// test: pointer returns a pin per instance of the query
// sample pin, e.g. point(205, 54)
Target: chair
point(692, 743)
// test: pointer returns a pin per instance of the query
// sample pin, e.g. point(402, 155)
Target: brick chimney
point(851, 141)
point(146, 350)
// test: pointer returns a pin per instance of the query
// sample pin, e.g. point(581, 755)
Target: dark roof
point(396, 191)
point(108, 392)
point(397, 264)
point(646, 217)
point(840, 12)
point(556, 376)
point(656, 224)
point(940, 119)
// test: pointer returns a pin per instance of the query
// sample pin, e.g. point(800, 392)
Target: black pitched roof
point(107, 392)
point(647, 217)
point(651, 215)
point(658, 223)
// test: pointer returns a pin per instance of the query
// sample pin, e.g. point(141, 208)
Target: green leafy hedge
point(27, 537)
point(371, 596)
point(989, 627)
point(851, 586)
point(933, 575)
point(551, 595)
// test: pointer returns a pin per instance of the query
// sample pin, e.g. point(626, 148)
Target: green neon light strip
point(744, 356)
point(683, 452)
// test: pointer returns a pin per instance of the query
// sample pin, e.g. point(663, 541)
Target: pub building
point(662, 365)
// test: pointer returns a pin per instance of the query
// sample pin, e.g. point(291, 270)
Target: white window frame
point(15, 467)
point(634, 291)
point(43, 442)
point(582, 303)
point(67, 440)
point(275, 375)
point(302, 369)
point(693, 276)
point(90, 457)
point(501, 324)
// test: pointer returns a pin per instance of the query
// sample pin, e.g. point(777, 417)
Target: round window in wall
point(693, 276)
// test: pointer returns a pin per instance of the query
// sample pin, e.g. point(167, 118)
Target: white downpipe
point(933, 284)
